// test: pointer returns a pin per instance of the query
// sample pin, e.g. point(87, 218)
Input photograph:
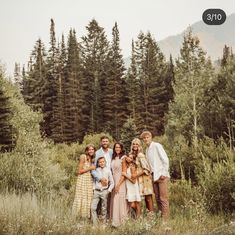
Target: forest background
point(79, 88)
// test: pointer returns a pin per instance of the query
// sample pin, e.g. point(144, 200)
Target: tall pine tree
point(94, 55)
point(114, 96)
point(7, 139)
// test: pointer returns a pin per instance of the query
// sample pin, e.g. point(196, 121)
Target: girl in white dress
point(133, 193)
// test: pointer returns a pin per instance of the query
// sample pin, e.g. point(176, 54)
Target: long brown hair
point(122, 150)
point(86, 151)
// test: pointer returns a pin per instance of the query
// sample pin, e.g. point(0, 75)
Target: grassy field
point(27, 215)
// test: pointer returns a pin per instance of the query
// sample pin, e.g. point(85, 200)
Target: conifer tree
point(7, 140)
point(34, 79)
point(128, 133)
point(219, 115)
point(94, 56)
point(151, 67)
point(72, 93)
point(50, 87)
point(115, 97)
point(59, 130)
point(135, 104)
point(18, 75)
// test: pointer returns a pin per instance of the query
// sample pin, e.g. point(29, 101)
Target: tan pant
point(160, 188)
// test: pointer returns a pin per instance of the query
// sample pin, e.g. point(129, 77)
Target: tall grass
point(25, 214)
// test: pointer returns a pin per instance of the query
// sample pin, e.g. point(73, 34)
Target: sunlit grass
point(27, 215)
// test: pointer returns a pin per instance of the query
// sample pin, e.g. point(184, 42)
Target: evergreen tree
point(151, 69)
point(128, 133)
point(59, 131)
point(7, 139)
point(219, 111)
point(72, 93)
point(50, 88)
point(135, 104)
point(115, 97)
point(34, 80)
point(94, 56)
point(18, 75)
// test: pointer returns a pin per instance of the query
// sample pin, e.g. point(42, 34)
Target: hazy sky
point(22, 22)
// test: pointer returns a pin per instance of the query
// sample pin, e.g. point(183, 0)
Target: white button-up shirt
point(104, 173)
point(158, 160)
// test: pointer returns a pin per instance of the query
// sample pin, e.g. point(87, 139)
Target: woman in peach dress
point(119, 204)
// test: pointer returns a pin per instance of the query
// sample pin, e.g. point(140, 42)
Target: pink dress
point(119, 204)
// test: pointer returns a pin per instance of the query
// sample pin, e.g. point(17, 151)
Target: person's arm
point(95, 175)
point(111, 182)
point(164, 159)
point(81, 164)
point(122, 178)
point(144, 165)
point(133, 174)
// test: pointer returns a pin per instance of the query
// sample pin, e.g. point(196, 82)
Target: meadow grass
point(25, 214)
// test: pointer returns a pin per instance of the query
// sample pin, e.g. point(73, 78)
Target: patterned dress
point(145, 180)
point(119, 205)
point(84, 192)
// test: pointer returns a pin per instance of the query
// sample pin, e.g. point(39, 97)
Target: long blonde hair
point(137, 141)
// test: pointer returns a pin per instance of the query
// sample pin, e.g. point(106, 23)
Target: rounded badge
point(214, 16)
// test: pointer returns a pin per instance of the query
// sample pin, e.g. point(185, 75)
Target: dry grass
point(27, 215)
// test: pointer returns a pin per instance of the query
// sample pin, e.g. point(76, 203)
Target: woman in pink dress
point(119, 204)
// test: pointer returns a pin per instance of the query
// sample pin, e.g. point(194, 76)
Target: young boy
point(100, 191)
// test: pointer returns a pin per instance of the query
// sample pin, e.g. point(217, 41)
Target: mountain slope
point(212, 38)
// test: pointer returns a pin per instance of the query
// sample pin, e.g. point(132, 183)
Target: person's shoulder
point(141, 155)
point(82, 157)
point(123, 157)
point(108, 170)
point(98, 152)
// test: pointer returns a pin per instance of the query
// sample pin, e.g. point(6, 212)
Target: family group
point(111, 184)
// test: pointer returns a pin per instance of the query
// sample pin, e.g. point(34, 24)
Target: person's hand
point(162, 177)
point(133, 177)
point(93, 167)
point(116, 189)
point(104, 182)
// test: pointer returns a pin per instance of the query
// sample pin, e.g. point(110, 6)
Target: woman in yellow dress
point(143, 173)
point(84, 186)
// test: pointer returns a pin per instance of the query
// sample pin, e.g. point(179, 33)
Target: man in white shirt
point(159, 164)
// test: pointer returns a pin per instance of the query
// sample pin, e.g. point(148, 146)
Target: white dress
point(133, 192)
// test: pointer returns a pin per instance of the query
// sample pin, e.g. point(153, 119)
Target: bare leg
point(138, 210)
point(149, 202)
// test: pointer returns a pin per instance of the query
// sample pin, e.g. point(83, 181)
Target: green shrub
point(29, 166)
point(95, 139)
point(218, 184)
point(187, 200)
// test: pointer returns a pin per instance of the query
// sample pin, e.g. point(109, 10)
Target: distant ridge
point(212, 39)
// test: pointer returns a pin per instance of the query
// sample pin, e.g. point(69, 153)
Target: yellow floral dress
point(145, 180)
point(84, 192)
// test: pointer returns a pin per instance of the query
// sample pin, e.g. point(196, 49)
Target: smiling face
point(117, 149)
point(147, 139)
point(129, 158)
point(105, 143)
point(91, 151)
point(101, 162)
point(135, 146)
